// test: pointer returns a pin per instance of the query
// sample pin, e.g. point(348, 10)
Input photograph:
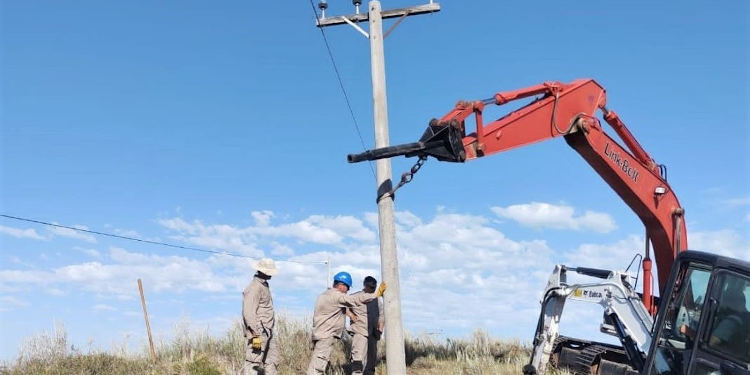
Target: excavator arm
point(625, 318)
point(568, 111)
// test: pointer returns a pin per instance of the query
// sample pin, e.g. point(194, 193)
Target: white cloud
point(118, 277)
point(737, 202)
point(447, 259)
point(315, 229)
point(406, 219)
point(617, 255)
point(546, 215)
point(31, 233)
point(280, 250)
point(262, 218)
point(55, 292)
point(21, 233)
point(8, 303)
point(727, 242)
point(180, 225)
point(90, 252)
point(24, 277)
point(612, 256)
point(218, 237)
point(327, 230)
point(103, 307)
point(16, 260)
point(127, 233)
point(70, 233)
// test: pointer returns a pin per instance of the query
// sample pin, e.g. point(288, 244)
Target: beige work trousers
point(254, 358)
point(320, 356)
point(359, 353)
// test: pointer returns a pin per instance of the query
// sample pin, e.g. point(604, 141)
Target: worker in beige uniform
point(329, 318)
point(262, 353)
point(364, 335)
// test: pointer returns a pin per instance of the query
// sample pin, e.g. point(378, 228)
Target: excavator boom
point(568, 111)
point(702, 294)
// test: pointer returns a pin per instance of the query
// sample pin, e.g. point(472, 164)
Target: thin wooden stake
point(148, 326)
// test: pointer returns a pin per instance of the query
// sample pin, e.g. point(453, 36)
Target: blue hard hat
point(343, 277)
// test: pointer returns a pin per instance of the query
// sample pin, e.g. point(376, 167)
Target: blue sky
point(223, 126)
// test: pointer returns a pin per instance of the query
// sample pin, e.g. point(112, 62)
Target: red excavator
point(569, 111)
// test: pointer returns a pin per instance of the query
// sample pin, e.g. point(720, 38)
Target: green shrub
point(202, 366)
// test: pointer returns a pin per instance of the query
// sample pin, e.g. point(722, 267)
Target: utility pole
point(394, 333)
point(148, 326)
point(328, 280)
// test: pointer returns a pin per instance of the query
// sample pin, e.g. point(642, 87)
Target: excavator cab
point(703, 325)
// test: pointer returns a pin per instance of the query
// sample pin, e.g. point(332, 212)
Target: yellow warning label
point(577, 293)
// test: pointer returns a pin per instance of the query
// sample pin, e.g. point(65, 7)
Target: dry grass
point(198, 353)
point(477, 355)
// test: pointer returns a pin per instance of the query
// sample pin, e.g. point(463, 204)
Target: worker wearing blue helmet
point(329, 319)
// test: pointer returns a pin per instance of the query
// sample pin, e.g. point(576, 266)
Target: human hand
point(381, 289)
point(351, 315)
point(685, 330)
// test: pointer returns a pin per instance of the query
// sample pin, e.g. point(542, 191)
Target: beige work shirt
point(360, 325)
point(257, 308)
point(329, 318)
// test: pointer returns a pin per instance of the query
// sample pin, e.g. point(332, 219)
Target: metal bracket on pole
point(355, 26)
point(386, 14)
point(393, 27)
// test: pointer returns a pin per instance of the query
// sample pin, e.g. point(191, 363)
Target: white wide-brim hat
point(266, 266)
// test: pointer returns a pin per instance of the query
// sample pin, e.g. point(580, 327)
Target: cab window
point(681, 321)
point(729, 330)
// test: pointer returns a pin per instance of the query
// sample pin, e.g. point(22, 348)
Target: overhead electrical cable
point(159, 243)
point(341, 85)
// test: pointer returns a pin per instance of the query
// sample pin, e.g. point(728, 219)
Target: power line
point(341, 84)
point(224, 252)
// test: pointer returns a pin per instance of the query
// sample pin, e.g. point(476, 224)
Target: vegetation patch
point(192, 352)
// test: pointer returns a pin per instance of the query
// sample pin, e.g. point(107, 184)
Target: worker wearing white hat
point(262, 353)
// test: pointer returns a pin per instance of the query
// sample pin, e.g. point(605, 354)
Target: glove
point(376, 334)
point(256, 343)
point(381, 290)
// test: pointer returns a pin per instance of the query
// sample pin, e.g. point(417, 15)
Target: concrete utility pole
point(394, 333)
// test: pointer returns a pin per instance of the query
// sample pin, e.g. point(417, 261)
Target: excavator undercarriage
point(583, 357)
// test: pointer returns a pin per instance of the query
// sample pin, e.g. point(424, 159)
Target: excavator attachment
point(441, 140)
point(625, 317)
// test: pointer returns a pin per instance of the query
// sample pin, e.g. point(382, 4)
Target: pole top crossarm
point(392, 13)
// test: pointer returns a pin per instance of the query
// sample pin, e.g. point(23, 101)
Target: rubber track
point(589, 354)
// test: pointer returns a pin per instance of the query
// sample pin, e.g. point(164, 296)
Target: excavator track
point(584, 357)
